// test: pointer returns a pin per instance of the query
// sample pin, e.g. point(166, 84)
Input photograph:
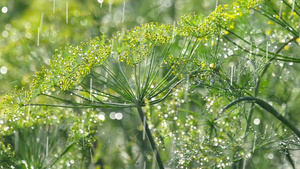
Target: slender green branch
point(150, 137)
point(263, 104)
point(106, 105)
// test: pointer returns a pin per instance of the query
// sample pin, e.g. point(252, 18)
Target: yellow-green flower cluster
point(217, 22)
point(136, 44)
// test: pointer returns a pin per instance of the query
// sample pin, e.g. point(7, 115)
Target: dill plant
point(195, 87)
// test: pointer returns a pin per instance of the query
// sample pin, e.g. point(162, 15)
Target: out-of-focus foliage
point(196, 84)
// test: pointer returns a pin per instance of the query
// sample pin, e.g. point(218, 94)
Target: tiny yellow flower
point(203, 64)
point(213, 43)
point(298, 39)
point(286, 47)
point(270, 23)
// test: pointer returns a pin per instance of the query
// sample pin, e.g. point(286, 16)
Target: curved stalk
point(263, 104)
point(259, 81)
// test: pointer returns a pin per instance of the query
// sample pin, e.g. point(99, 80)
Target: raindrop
point(231, 72)
point(254, 142)
point(5, 34)
point(280, 10)
point(267, 51)
point(91, 155)
point(123, 15)
point(173, 33)
point(42, 18)
point(16, 141)
point(68, 164)
point(53, 6)
point(3, 70)
point(119, 116)
point(293, 8)
point(144, 130)
point(67, 9)
point(4, 9)
point(270, 156)
point(101, 116)
point(91, 88)
point(27, 25)
point(112, 115)
point(8, 26)
point(38, 37)
point(100, 1)
point(110, 6)
point(154, 159)
point(230, 52)
point(47, 146)
point(256, 121)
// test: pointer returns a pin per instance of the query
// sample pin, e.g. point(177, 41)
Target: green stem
point(150, 138)
point(263, 104)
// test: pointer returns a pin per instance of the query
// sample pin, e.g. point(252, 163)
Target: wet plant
point(194, 86)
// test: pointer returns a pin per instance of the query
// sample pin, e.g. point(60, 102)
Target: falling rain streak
point(100, 2)
point(153, 160)
point(173, 32)
point(91, 155)
point(123, 14)
point(267, 51)
point(280, 10)
point(231, 73)
point(91, 88)
point(67, 12)
point(47, 146)
point(144, 130)
point(42, 19)
point(293, 8)
point(53, 6)
point(38, 37)
point(110, 6)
